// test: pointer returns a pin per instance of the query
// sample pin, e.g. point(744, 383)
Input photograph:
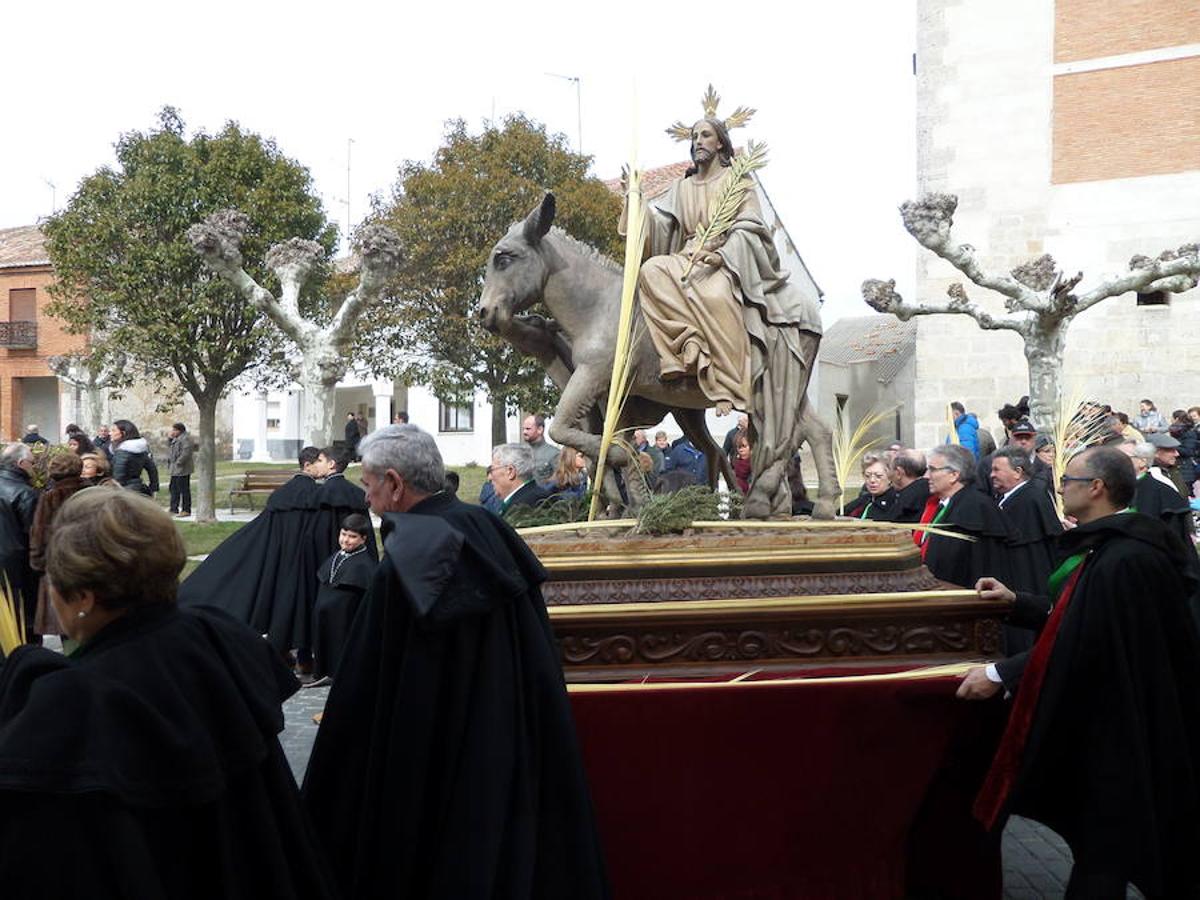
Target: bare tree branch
point(882, 296)
point(930, 219)
point(379, 249)
point(1174, 271)
point(324, 349)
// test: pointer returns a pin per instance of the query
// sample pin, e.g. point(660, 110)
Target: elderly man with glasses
point(954, 506)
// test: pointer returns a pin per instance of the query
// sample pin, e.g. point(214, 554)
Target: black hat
point(1023, 427)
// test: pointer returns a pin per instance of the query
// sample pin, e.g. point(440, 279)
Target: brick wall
point(31, 363)
point(986, 104)
point(1120, 123)
point(1087, 29)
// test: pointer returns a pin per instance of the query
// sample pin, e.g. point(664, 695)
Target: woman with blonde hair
point(96, 469)
point(570, 478)
point(146, 763)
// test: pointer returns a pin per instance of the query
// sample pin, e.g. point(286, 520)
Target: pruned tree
point(448, 214)
point(127, 277)
point(1040, 301)
point(94, 374)
point(327, 347)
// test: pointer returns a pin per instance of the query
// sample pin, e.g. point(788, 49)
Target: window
point(452, 418)
point(1154, 298)
point(22, 305)
point(272, 424)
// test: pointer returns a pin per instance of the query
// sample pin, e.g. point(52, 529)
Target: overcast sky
point(833, 85)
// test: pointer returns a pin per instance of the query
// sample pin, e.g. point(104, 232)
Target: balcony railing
point(18, 335)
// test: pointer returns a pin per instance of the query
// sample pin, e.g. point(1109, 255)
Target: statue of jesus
point(717, 322)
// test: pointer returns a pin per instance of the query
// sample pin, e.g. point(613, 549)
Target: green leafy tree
point(128, 278)
point(448, 215)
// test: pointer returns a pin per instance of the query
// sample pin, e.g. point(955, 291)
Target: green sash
point(1063, 572)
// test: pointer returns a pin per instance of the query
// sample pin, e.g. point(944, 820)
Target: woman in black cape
point(146, 764)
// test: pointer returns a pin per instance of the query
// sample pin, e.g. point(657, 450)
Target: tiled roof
point(881, 339)
point(23, 246)
point(654, 181)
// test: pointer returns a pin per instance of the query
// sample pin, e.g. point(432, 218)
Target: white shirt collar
point(1020, 484)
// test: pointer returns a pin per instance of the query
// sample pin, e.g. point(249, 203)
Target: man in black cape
point(1036, 528)
point(955, 504)
point(1023, 434)
point(1156, 497)
point(1103, 741)
point(446, 765)
point(338, 498)
point(912, 487)
point(265, 573)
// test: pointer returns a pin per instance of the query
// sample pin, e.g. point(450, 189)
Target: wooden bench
point(260, 482)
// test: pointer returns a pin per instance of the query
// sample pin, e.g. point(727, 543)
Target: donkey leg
point(820, 439)
point(578, 399)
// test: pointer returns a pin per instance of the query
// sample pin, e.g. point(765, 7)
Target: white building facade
point(1067, 127)
point(266, 424)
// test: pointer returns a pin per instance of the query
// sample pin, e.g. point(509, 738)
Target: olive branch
point(723, 211)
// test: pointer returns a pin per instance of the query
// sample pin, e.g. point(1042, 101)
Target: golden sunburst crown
point(710, 101)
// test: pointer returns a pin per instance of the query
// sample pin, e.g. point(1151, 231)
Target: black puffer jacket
point(130, 459)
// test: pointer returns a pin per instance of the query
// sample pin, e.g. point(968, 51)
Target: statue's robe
point(745, 319)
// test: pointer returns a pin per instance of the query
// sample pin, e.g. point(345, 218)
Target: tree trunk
point(206, 459)
point(499, 421)
point(95, 407)
point(1044, 355)
point(319, 375)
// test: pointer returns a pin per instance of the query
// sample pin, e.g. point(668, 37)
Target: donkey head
point(517, 269)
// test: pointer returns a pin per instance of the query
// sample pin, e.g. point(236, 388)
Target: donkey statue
point(581, 289)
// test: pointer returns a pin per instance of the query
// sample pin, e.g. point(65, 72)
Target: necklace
point(339, 560)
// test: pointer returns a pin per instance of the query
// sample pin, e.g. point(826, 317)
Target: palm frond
point(950, 423)
point(1080, 423)
point(618, 387)
point(849, 444)
point(723, 211)
point(12, 619)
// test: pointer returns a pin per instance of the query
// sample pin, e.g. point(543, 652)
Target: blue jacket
point(683, 456)
point(967, 427)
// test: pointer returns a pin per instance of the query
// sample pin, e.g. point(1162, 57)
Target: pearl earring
point(80, 614)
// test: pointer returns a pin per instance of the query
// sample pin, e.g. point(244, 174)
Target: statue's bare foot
point(724, 407)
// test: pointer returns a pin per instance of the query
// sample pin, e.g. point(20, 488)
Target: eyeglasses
point(1062, 481)
point(937, 468)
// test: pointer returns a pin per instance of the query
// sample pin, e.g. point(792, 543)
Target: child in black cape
point(344, 578)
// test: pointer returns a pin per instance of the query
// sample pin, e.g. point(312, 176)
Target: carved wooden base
point(719, 603)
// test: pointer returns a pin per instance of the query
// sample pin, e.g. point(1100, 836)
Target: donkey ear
point(538, 222)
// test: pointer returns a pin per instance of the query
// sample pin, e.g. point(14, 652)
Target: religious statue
point(717, 324)
point(705, 305)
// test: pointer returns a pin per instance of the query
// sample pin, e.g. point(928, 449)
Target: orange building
point(30, 393)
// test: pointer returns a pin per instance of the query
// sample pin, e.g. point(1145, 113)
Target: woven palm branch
point(12, 620)
point(849, 444)
point(723, 211)
point(1079, 424)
